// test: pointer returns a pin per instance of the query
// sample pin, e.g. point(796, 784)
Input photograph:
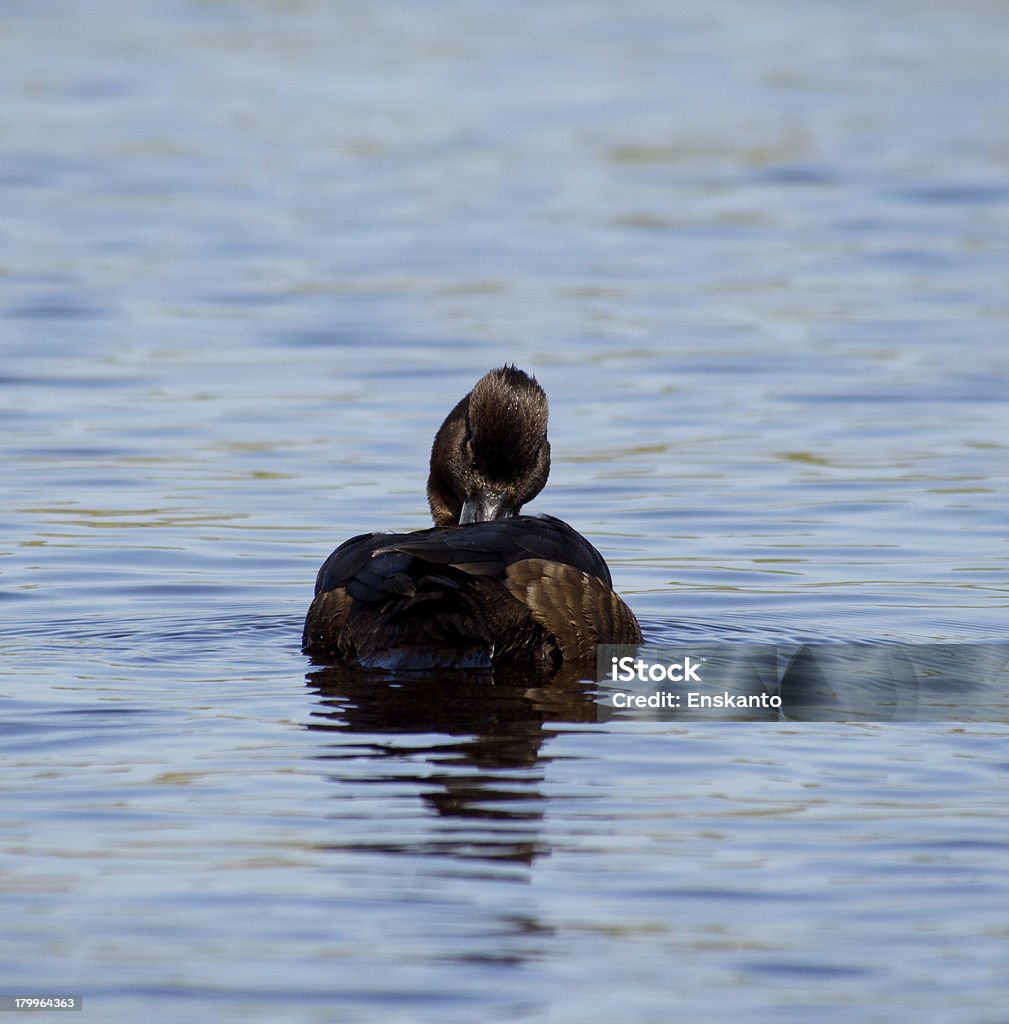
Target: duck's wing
point(576, 607)
point(382, 603)
point(347, 560)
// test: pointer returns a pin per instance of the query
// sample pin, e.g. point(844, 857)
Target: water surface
point(253, 253)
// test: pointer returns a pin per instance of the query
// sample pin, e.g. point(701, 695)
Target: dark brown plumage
point(486, 585)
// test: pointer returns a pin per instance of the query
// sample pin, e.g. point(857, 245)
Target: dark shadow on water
point(471, 743)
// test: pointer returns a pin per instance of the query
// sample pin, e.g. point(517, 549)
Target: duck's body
point(485, 586)
point(521, 589)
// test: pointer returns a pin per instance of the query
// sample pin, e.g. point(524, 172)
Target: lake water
point(758, 256)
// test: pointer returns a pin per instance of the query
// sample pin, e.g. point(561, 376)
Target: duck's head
point(491, 455)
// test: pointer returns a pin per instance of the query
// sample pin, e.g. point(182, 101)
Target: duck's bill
point(484, 507)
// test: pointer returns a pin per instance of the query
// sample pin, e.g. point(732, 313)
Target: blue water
point(252, 254)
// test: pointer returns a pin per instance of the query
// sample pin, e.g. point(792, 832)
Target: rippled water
point(253, 252)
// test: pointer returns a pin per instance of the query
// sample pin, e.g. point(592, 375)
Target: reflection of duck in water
point(466, 749)
point(485, 585)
